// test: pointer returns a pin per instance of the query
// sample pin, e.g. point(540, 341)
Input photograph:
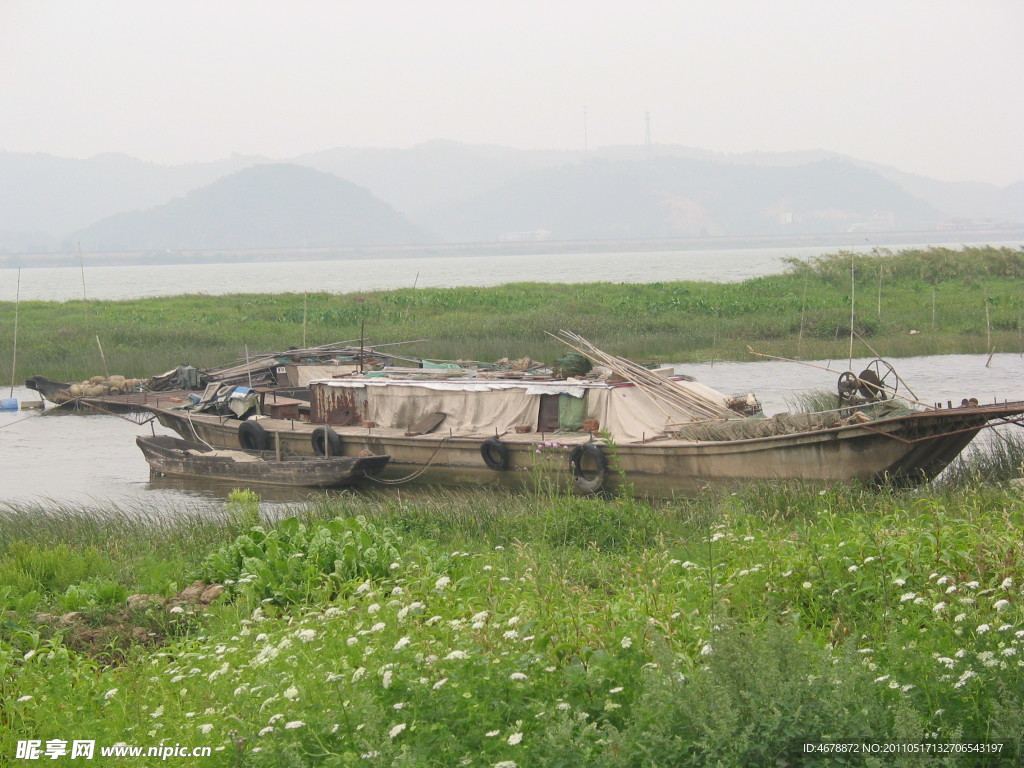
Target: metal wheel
point(847, 387)
point(878, 381)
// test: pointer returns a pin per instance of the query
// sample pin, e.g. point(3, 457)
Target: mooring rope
point(418, 472)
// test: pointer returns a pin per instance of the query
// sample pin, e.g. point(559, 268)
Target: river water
point(348, 275)
point(92, 460)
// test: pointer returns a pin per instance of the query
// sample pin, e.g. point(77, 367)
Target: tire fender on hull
point(253, 436)
point(326, 442)
point(592, 478)
point(494, 453)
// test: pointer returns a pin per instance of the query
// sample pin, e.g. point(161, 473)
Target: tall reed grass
point(806, 309)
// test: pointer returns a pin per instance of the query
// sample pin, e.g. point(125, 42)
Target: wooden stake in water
point(14, 361)
point(803, 310)
point(880, 270)
point(988, 329)
point(853, 291)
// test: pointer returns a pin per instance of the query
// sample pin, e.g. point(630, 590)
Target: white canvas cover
point(483, 407)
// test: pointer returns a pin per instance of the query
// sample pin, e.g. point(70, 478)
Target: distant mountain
point(54, 195)
point(676, 197)
point(266, 206)
point(435, 173)
point(475, 192)
point(435, 176)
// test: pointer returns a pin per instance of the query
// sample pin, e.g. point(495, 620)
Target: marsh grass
point(538, 629)
point(672, 321)
point(998, 460)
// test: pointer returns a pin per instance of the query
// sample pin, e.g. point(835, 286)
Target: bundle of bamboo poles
point(670, 398)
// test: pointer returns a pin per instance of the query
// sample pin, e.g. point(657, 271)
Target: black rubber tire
point(252, 436)
point(494, 453)
point(588, 481)
point(326, 442)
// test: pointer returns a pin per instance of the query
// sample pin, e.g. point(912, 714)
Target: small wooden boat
point(173, 456)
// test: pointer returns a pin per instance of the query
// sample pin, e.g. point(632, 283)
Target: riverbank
point(523, 629)
point(913, 303)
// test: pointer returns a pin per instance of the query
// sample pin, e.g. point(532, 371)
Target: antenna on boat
point(17, 301)
point(304, 297)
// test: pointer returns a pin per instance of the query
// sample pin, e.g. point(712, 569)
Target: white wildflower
point(491, 734)
point(442, 582)
point(440, 683)
point(205, 728)
point(627, 642)
point(306, 635)
point(110, 694)
point(386, 679)
point(899, 582)
point(506, 764)
point(853, 568)
point(456, 655)
point(518, 676)
point(402, 642)
point(396, 730)
point(939, 607)
point(1000, 605)
point(907, 596)
point(806, 585)
point(515, 738)
point(265, 731)
point(24, 698)
point(1007, 583)
point(293, 724)
point(983, 628)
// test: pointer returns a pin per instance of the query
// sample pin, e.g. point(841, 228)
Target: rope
point(419, 471)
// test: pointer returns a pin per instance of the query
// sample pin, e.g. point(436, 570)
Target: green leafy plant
point(294, 562)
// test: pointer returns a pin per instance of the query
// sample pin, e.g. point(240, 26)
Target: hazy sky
point(930, 86)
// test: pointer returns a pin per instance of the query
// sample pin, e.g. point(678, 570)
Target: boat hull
point(177, 457)
point(902, 451)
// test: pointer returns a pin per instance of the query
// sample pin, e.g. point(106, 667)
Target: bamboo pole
point(654, 386)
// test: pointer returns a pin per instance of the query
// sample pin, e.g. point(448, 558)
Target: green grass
point(450, 628)
point(941, 293)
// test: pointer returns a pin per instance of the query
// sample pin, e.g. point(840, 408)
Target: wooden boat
point(514, 432)
point(174, 456)
point(57, 392)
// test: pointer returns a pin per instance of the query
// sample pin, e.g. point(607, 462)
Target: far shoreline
point(839, 241)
